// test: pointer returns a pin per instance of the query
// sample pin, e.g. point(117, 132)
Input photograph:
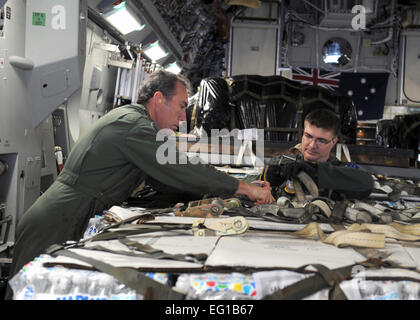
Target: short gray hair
point(163, 81)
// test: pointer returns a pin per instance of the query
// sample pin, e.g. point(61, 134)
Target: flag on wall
point(315, 77)
point(367, 90)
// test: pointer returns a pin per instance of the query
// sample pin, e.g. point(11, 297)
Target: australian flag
point(367, 90)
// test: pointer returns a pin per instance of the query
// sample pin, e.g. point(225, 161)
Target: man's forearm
point(351, 181)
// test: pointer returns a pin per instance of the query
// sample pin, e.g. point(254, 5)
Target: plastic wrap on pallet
point(357, 288)
point(389, 290)
point(36, 282)
point(209, 286)
point(212, 286)
point(95, 225)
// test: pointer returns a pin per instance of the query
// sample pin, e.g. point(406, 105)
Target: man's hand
point(264, 184)
point(277, 174)
point(261, 193)
point(301, 165)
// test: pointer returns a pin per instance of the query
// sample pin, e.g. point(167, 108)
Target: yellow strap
point(394, 230)
point(413, 229)
point(344, 238)
point(309, 183)
point(363, 235)
point(321, 205)
point(300, 195)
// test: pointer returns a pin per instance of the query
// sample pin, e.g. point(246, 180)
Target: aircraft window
point(336, 52)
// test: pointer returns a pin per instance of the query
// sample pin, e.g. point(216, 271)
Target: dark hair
point(325, 119)
point(162, 81)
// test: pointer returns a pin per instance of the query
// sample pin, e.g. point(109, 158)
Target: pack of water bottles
point(238, 286)
point(36, 282)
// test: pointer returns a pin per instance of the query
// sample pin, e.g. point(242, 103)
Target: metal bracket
point(219, 227)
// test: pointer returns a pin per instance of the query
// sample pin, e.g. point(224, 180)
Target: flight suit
point(335, 179)
point(103, 169)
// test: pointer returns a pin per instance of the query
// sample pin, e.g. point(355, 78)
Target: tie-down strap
point(137, 249)
point(363, 235)
point(325, 278)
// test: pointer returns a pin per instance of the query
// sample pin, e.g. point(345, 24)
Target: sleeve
point(352, 182)
point(143, 150)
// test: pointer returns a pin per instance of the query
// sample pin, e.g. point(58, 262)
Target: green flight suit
point(103, 169)
point(335, 179)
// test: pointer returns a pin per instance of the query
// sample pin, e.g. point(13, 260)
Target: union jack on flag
point(315, 77)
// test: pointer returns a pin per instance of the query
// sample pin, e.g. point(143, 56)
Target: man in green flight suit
point(110, 160)
point(334, 178)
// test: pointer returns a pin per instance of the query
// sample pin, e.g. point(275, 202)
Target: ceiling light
point(154, 51)
point(173, 67)
point(123, 20)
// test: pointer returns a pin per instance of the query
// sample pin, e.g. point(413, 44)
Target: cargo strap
point(149, 288)
point(413, 229)
point(212, 210)
point(287, 211)
point(138, 249)
point(364, 235)
point(160, 254)
point(324, 279)
point(145, 215)
point(339, 212)
point(134, 229)
point(300, 195)
point(369, 208)
point(345, 150)
point(357, 215)
point(320, 204)
point(393, 230)
point(344, 238)
point(307, 181)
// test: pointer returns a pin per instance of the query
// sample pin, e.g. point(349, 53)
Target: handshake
point(277, 174)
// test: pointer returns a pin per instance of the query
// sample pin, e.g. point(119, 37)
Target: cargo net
point(273, 103)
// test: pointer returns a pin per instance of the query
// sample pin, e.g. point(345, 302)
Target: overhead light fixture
point(154, 51)
point(122, 19)
point(173, 67)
